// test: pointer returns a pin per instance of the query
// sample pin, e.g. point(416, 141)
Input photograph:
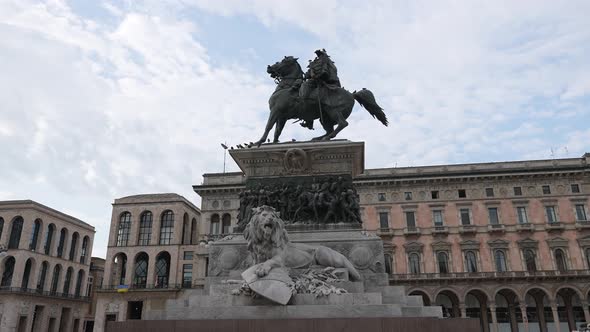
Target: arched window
point(162, 270)
point(214, 224)
point(529, 259)
point(49, 238)
point(79, 283)
point(470, 261)
point(443, 262)
point(26, 274)
point(141, 267)
point(73, 245)
point(8, 272)
point(414, 263)
point(388, 261)
point(123, 230)
point(500, 258)
point(55, 279)
point(1, 226)
point(185, 229)
point(62, 242)
point(68, 280)
point(225, 224)
point(145, 229)
point(35, 235)
point(193, 230)
point(42, 277)
point(15, 232)
point(84, 249)
point(166, 228)
point(120, 270)
point(560, 260)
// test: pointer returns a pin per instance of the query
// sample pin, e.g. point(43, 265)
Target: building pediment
point(413, 247)
point(469, 245)
point(557, 242)
point(441, 245)
point(528, 243)
point(584, 242)
point(498, 244)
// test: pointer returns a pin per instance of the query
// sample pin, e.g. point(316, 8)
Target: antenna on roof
point(224, 146)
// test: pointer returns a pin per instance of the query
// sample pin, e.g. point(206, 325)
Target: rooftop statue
point(316, 94)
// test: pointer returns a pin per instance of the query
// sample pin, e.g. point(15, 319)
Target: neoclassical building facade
point(154, 251)
point(44, 268)
point(505, 242)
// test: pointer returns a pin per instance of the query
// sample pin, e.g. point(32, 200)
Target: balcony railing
point(524, 227)
point(496, 228)
point(20, 290)
point(144, 287)
point(582, 224)
point(412, 231)
point(489, 275)
point(468, 229)
point(552, 226)
point(440, 229)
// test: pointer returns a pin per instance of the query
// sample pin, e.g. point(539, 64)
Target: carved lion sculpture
point(270, 247)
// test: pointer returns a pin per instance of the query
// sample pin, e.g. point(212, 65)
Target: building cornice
point(30, 204)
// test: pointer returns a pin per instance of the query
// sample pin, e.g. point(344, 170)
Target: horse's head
point(288, 67)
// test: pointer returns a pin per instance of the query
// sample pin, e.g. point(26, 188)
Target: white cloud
point(91, 110)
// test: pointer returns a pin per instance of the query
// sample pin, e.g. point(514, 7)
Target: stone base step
point(288, 311)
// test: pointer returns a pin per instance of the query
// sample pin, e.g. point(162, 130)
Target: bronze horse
point(332, 106)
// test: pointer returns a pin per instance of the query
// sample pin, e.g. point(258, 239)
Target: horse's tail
point(367, 100)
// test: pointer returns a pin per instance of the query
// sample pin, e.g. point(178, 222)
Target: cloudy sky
point(103, 99)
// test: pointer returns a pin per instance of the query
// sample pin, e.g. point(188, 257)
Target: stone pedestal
point(302, 158)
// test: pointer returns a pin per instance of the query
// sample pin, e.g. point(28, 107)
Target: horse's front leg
point(279, 129)
point(269, 124)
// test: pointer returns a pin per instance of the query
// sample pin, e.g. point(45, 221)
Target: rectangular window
point(384, 220)
point(575, 188)
point(489, 192)
point(381, 197)
point(580, 212)
point(522, 216)
point(551, 214)
point(434, 194)
point(517, 191)
point(465, 217)
point(437, 217)
point(411, 220)
point(546, 190)
point(408, 196)
point(462, 193)
point(493, 214)
point(187, 275)
point(188, 255)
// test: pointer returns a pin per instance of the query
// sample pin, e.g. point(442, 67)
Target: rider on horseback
point(322, 72)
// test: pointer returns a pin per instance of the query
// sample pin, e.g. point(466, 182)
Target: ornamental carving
point(295, 160)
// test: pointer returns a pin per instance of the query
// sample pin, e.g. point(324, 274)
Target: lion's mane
point(262, 248)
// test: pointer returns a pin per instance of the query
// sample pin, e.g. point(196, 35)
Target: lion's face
point(265, 229)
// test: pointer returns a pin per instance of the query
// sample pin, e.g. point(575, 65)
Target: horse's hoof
point(317, 138)
point(327, 138)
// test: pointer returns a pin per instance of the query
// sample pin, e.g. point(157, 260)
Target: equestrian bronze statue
point(317, 94)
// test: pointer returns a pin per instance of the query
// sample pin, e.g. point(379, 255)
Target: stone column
point(540, 313)
point(18, 272)
point(492, 307)
point(555, 316)
point(463, 310)
point(151, 271)
point(570, 312)
point(525, 319)
point(585, 305)
point(512, 315)
point(129, 270)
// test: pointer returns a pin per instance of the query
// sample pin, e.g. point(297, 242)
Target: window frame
point(466, 261)
point(518, 215)
point(123, 229)
point(584, 211)
point(146, 224)
point(554, 215)
point(166, 228)
point(469, 216)
point(497, 212)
